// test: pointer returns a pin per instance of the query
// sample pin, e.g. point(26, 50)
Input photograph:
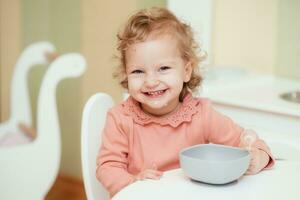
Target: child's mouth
point(154, 94)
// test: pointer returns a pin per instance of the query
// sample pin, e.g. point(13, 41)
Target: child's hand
point(259, 159)
point(149, 174)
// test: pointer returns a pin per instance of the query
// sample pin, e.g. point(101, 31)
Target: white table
point(282, 182)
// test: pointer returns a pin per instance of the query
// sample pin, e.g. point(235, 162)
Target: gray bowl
point(214, 164)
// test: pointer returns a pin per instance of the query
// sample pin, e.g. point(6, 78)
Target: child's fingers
point(149, 174)
point(153, 175)
point(259, 159)
point(154, 172)
point(253, 166)
point(251, 171)
point(154, 166)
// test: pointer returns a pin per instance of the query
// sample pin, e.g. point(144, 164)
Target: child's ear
point(187, 72)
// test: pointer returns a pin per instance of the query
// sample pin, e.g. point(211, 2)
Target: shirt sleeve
point(220, 129)
point(112, 159)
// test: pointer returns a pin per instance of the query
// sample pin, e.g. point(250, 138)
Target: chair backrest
point(93, 120)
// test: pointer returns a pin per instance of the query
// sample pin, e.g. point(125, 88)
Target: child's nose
point(151, 81)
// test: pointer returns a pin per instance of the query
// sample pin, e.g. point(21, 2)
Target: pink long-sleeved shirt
point(133, 140)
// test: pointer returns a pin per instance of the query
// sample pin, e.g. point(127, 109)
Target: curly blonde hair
point(160, 21)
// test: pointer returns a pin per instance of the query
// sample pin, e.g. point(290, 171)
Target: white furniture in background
point(93, 120)
point(28, 171)
point(254, 101)
point(20, 108)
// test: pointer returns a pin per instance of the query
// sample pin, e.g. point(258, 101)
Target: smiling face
point(156, 73)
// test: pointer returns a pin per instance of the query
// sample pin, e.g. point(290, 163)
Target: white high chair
point(93, 120)
point(28, 171)
point(20, 108)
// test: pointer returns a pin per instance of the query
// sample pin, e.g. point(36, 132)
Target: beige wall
point(261, 36)
point(245, 34)
point(101, 21)
point(288, 55)
point(10, 43)
point(151, 3)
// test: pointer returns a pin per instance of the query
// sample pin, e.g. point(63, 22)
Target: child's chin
point(156, 106)
point(155, 109)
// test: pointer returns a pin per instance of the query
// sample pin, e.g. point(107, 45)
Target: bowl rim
point(218, 145)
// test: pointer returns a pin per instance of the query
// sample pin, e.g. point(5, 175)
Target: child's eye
point(164, 68)
point(137, 71)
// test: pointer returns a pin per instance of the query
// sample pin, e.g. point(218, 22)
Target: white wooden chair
point(28, 171)
point(20, 108)
point(93, 120)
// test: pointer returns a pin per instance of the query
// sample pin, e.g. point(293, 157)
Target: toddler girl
point(143, 135)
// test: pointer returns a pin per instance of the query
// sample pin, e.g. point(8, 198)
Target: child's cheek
point(134, 83)
point(172, 79)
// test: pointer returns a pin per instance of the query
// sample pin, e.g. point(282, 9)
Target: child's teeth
point(156, 92)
